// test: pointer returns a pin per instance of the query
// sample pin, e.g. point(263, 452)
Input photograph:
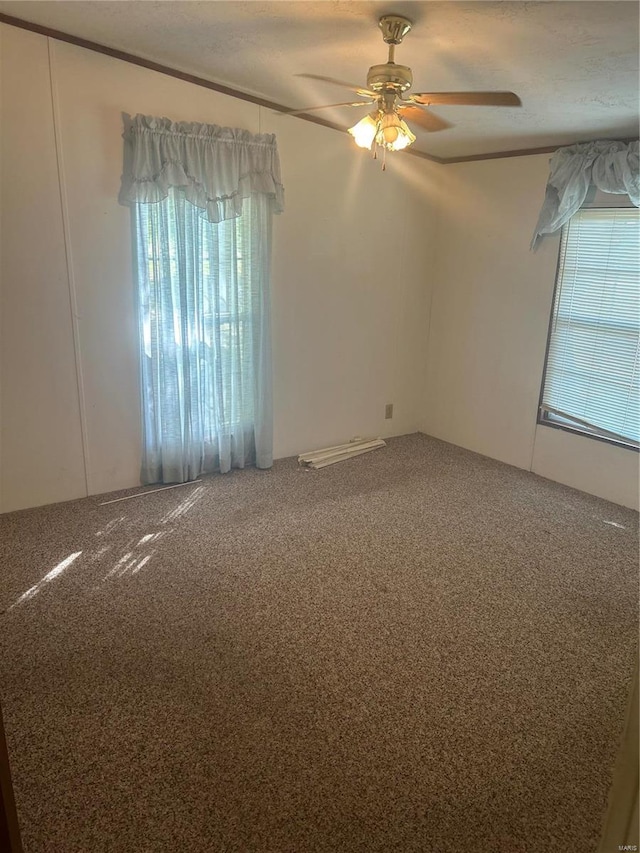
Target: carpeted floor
point(420, 649)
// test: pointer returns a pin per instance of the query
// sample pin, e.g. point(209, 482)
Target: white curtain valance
point(215, 167)
point(611, 166)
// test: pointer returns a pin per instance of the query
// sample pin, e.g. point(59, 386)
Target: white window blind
point(592, 374)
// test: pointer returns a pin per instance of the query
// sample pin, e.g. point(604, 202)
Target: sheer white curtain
point(202, 199)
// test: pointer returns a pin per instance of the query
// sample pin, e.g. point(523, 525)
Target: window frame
point(544, 418)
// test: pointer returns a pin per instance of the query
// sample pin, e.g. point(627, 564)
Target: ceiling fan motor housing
point(394, 28)
point(389, 77)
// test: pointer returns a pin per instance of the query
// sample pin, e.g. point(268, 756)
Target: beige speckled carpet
point(420, 649)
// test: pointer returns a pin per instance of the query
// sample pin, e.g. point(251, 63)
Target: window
point(591, 377)
point(202, 198)
point(203, 324)
point(211, 323)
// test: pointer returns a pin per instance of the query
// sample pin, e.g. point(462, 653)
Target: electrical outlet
point(388, 411)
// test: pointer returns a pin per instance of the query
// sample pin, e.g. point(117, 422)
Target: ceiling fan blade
point(327, 106)
point(478, 99)
point(359, 90)
point(429, 121)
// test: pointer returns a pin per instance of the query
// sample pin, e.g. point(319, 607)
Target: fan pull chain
point(384, 155)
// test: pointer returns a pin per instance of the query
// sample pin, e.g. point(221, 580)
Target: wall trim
point(527, 152)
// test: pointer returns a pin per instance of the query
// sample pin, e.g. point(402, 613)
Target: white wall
point(350, 302)
point(40, 437)
point(489, 319)
point(350, 295)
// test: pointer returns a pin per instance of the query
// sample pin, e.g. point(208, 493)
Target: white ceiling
point(573, 64)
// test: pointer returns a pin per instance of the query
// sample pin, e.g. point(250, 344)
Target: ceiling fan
point(388, 88)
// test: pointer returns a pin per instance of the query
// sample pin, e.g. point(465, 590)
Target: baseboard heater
point(338, 453)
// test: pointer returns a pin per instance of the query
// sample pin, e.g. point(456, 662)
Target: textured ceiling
point(573, 64)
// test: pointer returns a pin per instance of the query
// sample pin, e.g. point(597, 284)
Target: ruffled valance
point(215, 167)
point(612, 167)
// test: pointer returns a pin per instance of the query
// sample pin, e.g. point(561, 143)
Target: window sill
point(542, 421)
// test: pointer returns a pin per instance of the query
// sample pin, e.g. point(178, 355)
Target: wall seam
point(434, 268)
point(400, 305)
point(71, 284)
point(533, 446)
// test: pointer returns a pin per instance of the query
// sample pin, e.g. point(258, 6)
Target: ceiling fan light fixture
point(385, 129)
point(364, 132)
point(389, 129)
point(393, 133)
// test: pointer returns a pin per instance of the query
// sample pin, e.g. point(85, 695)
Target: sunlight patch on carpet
point(57, 570)
point(184, 507)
